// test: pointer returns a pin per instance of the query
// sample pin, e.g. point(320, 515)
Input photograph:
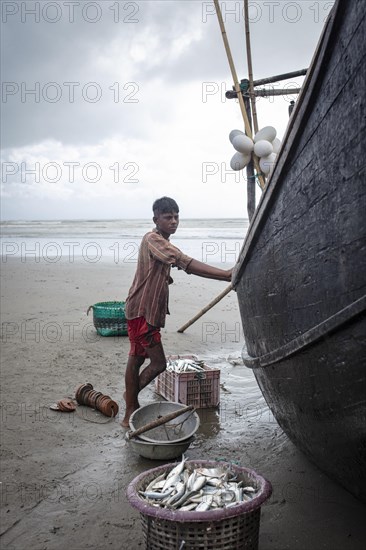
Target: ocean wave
point(189, 230)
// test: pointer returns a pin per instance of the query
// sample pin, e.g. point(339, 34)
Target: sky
point(108, 105)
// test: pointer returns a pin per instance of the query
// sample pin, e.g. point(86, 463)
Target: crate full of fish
point(200, 504)
point(189, 381)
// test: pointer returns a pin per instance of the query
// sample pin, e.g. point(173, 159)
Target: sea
point(210, 240)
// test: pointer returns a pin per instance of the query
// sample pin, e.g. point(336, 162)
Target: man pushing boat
point(147, 300)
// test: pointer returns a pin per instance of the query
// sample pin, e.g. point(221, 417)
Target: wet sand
point(64, 476)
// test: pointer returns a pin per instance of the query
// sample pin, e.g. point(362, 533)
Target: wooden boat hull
point(324, 412)
point(301, 275)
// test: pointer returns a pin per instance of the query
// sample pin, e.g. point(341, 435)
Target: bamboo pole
point(237, 88)
point(250, 66)
point(270, 93)
point(250, 174)
point(206, 308)
point(277, 78)
point(231, 94)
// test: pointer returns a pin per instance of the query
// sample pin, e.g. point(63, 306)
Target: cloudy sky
point(108, 105)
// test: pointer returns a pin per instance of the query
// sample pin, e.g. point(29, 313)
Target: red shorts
point(142, 336)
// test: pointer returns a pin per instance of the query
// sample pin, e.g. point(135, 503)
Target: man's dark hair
point(164, 206)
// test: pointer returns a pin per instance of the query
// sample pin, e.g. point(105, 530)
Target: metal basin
point(160, 451)
point(178, 430)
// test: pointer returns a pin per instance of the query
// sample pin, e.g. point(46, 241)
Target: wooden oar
point(159, 421)
point(206, 308)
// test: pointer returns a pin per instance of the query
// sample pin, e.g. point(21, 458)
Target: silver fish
point(188, 507)
point(231, 504)
point(211, 472)
point(191, 480)
point(198, 483)
point(178, 469)
point(180, 490)
point(171, 481)
point(158, 485)
point(154, 481)
point(183, 499)
point(184, 365)
point(205, 505)
point(209, 489)
point(215, 482)
point(239, 494)
point(185, 475)
point(199, 489)
point(197, 497)
point(227, 496)
point(154, 495)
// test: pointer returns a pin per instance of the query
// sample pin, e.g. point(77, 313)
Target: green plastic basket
point(109, 318)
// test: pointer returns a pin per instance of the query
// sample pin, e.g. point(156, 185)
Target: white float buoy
point(235, 133)
point(263, 148)
point(276, 143)
point(268, 133)
point(266, 164)
point(239, 161)
point(243, 144)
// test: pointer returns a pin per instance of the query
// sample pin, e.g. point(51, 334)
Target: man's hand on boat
point(205, 270)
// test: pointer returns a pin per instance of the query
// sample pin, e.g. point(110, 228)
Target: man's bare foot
point(126, 421)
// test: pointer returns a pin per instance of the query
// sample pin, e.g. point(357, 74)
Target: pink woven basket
point(231, 528)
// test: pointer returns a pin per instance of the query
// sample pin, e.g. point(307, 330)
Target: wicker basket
point(228, 528)
point(109, 318)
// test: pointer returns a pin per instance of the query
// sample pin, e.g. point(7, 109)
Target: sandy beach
point(64, 476)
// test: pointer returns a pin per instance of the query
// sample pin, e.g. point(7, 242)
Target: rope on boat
point(323, 329)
